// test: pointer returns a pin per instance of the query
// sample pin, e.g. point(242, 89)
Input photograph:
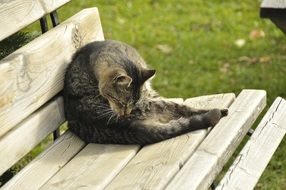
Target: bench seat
point(177, 163)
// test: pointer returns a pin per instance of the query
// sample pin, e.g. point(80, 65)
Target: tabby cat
point(108, 99)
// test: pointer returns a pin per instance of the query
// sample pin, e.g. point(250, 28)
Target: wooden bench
point(31, 107)
point(275, 10)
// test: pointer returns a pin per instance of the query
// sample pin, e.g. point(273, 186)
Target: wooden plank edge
point(249, 165)
point(278, 4)
point(203, 101)
point(47, 164)
point(30, 132)
point(106, 159)
point(192, 176)
point(49, 6)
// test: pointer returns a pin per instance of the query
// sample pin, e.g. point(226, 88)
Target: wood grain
point(156, 164)
point(29, 133)
point(208, 160)
point(88, 26)
point(44, 166)
point(254, 157)
point(33, 74)
point(93, 168)
point(16, 14)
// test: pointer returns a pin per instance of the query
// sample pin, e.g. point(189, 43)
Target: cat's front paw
point(213, 116)
point(224, 112)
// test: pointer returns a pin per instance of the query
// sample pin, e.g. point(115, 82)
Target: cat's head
point(120, 90)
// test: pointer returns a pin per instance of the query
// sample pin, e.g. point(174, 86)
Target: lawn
point(201, 47)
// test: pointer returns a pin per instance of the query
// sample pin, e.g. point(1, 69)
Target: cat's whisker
point(97, 96)
point(101, 104)
point(117, 117)
point(114, 114)
point(104, 107)
point(104, 114)
point(108, 120)
point(107, 108)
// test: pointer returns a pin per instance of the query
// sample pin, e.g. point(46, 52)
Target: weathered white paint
point(16, 14)
point(254, 157)
point(32, 75)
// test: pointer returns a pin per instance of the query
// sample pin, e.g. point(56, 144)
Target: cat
point(108, 99)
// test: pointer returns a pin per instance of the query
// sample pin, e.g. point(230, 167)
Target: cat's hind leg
point(165, 106)
point(151, 130)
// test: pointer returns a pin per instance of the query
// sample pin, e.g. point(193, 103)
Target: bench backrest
point(275, 10)
point(16, 14)
point(32, 76)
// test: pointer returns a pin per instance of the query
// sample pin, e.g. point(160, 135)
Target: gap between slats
point(254, 157)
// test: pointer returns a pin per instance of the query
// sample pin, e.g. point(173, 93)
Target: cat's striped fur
point(108, 99)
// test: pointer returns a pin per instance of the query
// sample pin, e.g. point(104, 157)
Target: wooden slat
point(51, 5)
point(156, 164)
point(107, 160)
point(44, 166)
point(208, 160)
point(277, 4)
point(16, 14)
point(18, 142)
point(177, 100)
point(276, 11)
point(34, 73)
point(93, 167)
point(254, 157)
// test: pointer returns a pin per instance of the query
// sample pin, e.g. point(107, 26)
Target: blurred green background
point(201, 47)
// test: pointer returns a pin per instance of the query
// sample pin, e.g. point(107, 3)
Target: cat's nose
point(121, 113)
point(128, 110)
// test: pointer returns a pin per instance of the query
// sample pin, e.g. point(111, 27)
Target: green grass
point(191, 45)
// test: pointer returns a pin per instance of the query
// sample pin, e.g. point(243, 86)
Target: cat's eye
point(127, 88)
point(120, 79)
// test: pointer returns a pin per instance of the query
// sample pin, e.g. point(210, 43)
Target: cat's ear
point(123, 81)
point(147, 73)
